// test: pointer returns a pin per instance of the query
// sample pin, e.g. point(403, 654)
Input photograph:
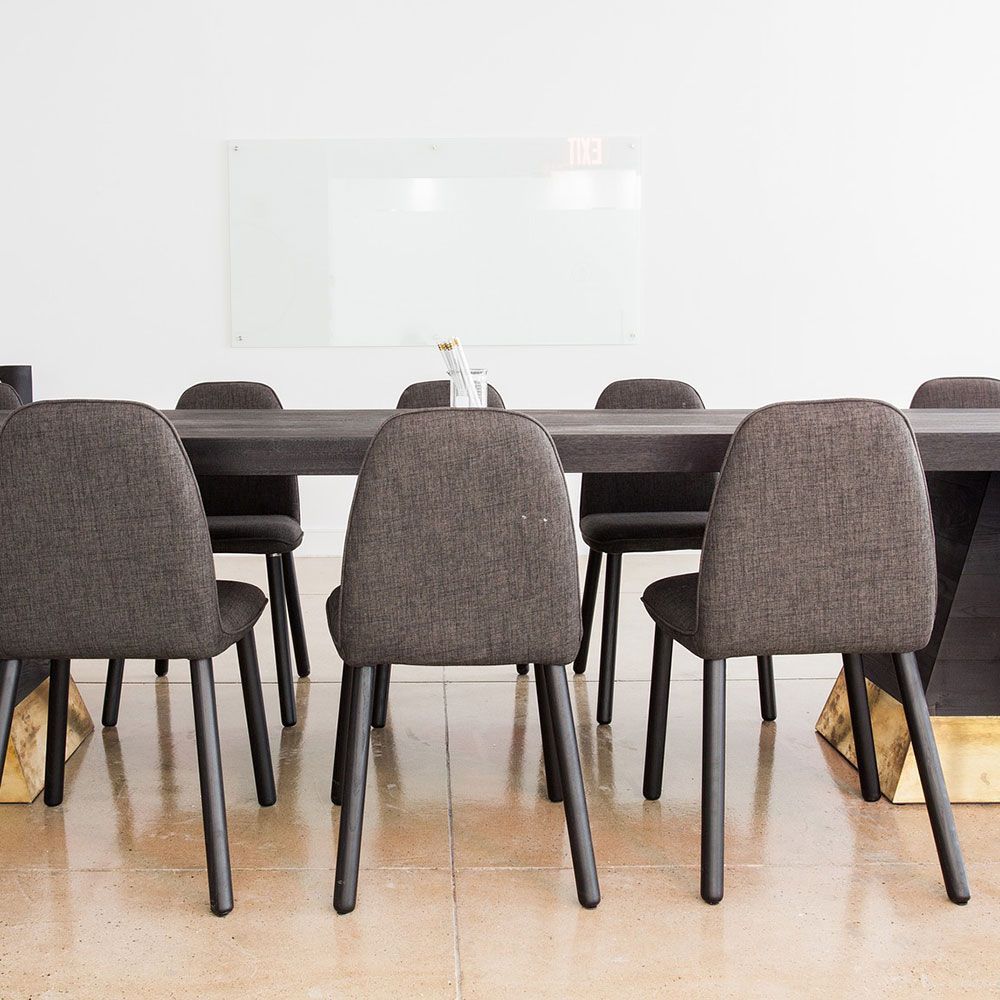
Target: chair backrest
point(610, 493)
point(958, 394)
point(460, 546)
point(819, 538)
point(242, 494)
point(9, 399)
point(422, 395)
point(104, 548)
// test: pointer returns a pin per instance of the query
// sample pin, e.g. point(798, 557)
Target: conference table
point(959, 448)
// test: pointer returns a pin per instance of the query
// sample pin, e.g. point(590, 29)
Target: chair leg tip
point(579, 668)
point(344, 906)
point(590, 902)
point(712, 898)
point(960, 897)
point(220, 911)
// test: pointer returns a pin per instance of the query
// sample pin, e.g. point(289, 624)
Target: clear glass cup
point(459, 395)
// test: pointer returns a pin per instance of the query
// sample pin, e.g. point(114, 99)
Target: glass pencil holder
point(459, 393)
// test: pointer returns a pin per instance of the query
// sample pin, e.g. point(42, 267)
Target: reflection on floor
point(467, 888)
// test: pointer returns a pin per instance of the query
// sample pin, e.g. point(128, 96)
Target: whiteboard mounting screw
point(236, 149)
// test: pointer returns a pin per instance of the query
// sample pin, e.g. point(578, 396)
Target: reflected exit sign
point(586, 151)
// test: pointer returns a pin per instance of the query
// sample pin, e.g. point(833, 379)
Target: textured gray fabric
point(103, 540)
point(460, 546)
point(9, 399)
point(614, 494)
point(819, 539)
point(673, 602)
point(240, 605)
point(958, 394)
point(422, 395)
point(265, 534)
point(644, 531)
point(231, 495)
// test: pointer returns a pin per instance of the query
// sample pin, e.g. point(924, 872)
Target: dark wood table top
point(333, 442)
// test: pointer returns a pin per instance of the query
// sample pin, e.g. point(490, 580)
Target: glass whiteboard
point(348, 242)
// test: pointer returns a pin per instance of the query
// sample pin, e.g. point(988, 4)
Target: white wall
point(820, 184)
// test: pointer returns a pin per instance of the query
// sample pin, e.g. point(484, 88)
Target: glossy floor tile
point(466, 888)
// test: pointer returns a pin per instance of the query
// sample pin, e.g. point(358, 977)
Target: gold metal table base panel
point(24, 767)
point(969, 746)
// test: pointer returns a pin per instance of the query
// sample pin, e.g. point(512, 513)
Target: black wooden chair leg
point(253, 703)
point(279, 628)
point(294, 603)
point(656, 727)
point(113, 692)
point(522, 669)
point(861, 727)
point(380, 699)
point(213, 796)
point(553, 781)
point(10, 674)
point(713, 781)
point(581, 844)
point(55, 737)
point(343, 723)
point(352, 811)
point(932, 777)
point(765, 681)
point(609, 638)
point(160, 667)
point(590, 583)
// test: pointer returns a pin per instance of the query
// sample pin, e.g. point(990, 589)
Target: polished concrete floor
point(466, 888)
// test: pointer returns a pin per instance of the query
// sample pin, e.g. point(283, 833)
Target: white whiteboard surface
point(347, 242)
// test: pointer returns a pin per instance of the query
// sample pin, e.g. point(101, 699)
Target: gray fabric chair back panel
point(958, 394)
point(9, 399)
point(460, 546)
point(242, 494)
point(103, 541)
point(819, 538)
point(612, 493)
point(423, 395)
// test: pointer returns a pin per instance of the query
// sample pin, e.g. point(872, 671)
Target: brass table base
point(24, 767)
point(969, 746)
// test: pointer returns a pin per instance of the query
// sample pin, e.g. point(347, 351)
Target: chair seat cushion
point(263, 534)
point(672, 603)
point(646, 531)
point(240, 605)
point(333, 616)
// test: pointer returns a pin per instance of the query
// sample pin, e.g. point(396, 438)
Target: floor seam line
point(451, 849)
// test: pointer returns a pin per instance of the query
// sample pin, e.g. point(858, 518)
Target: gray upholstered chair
point(256, 515)
point(958, 394)
point(460, 550)
point(642, 512)
point(105, 550)
point(421, 396)
point(9, 399)
point(819, 540)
